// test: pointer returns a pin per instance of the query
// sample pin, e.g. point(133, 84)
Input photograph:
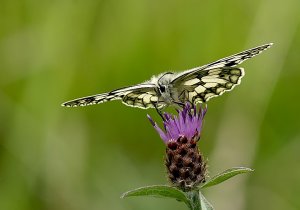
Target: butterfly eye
point(162, 88)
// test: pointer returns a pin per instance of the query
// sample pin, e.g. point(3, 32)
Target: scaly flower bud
point(185, 165)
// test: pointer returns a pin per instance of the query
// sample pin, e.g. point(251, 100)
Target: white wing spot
point(235, 71)
point(191, 82)
point(139, 104)
point(198, 100)
point(109, 97)
point(211, 76)
point(234, 78)
point(142, 96)
point(210, 84)
point(154, 98)
point(129, 102)
point(98, 97)
point(229, 85)
point(207, 79)
point(200, 89)
point(191, 95)
point(146, 99)
point(214, 72)
point(220, 90)
point(209, 95)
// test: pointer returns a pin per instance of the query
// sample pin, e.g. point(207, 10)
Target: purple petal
point(151, 120)
point(187, 123)
point(162, 134)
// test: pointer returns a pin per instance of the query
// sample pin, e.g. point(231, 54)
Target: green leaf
point(160, 191)
point(227, 174)
point(205, 205)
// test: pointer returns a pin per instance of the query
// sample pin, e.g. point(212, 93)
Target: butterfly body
point(166, 90)
point(195, 85)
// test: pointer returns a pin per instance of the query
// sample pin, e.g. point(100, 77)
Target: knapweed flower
point(185, 165)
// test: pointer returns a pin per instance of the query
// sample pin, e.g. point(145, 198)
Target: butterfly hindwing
point(142, 96)
point(142, 99)
point(199, 88)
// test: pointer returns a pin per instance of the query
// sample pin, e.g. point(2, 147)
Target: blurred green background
point(53, 157)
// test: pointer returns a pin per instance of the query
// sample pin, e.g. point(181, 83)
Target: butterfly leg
point(159, 111)
point(178, 104)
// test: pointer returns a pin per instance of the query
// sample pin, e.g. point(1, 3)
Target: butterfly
point(196, 85)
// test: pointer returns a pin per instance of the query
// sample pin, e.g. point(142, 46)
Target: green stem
point(194, 200)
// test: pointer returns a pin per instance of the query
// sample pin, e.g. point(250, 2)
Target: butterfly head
point(164, 82)
point(162, 88)
point(165, 86)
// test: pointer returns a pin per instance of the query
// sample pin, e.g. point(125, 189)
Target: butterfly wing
point(199, 84)
point(230, 61)
point(142, 96)
point(201, 87)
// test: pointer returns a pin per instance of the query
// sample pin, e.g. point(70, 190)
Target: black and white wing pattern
point(142, 96)
point(196, 85)
point(199, 84)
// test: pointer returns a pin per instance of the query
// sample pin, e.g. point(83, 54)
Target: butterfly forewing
point(239, 57)
point(142, 96)
point(229, 61)
point(90, 100)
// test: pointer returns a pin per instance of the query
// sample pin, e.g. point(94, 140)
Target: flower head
point(185, 165)
point(188, 123)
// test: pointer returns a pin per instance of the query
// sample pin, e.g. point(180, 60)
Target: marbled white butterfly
point(195, 85)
